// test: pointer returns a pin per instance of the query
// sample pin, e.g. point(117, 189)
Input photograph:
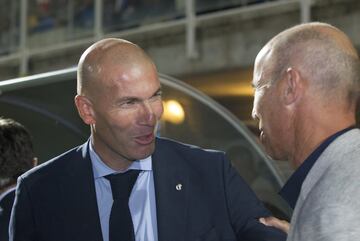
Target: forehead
point(262, 67)
point(132, 80)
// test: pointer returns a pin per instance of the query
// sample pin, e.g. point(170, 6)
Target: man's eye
point(156, 96)
point(128, 103)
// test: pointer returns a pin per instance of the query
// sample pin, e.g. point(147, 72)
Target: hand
point(276, 223)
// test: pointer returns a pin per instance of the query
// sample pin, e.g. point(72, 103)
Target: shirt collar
point(291, 190)
point(100, 169)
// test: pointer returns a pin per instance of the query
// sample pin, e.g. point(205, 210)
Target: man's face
point(127, 106)
point(268, 109)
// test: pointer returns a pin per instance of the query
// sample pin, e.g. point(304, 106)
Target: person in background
point(125, 183)
point(16, 157)
point(306, 82)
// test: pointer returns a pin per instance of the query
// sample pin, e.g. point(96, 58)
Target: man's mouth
point(145, 139)
point(262, 136)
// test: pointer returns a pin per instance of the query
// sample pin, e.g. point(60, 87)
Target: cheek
point(122, 120)
point(277, 126)
point(158, 109)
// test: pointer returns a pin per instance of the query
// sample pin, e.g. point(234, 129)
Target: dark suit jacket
point(6, 203)
point(57, 201)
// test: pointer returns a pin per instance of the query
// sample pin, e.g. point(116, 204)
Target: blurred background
point(207, 44)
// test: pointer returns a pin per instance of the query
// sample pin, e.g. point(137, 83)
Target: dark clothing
point(57, 201)
point(6, 203)
point(291, 190)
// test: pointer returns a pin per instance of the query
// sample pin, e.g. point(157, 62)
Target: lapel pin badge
point(179, 187)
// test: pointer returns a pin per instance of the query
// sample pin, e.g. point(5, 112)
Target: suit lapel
point(79, 198)
point(171, 184)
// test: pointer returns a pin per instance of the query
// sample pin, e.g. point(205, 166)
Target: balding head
point(104, 55)
point(119, 97)
point(306, 84)
point(323, 54)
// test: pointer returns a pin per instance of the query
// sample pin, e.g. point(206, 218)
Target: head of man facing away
point(306, 82)
point(16, 152)
point(119, 96)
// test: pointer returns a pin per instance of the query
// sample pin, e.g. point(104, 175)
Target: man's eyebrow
point(127, 98)
point(159, 90)
point(260, 85)
point(133, 98)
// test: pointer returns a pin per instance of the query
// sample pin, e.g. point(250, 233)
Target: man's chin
point(270, 152)
point(275, 156)
point(145, 151)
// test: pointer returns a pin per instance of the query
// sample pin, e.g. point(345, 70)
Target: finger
point(276, 223)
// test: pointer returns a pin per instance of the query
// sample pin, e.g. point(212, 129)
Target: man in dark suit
point(16, 157)
point(181, 192)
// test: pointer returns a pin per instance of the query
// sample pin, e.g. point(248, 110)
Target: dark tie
point(120, 224)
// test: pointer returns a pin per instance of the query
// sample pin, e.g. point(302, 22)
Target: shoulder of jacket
point(167, 142)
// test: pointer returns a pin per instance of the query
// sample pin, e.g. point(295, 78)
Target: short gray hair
point(323, 54)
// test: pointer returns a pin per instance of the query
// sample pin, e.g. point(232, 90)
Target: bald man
point(306, 82)
point(180, 192)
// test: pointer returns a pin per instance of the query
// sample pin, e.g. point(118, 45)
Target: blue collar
point(100, 169)
point(291, 190)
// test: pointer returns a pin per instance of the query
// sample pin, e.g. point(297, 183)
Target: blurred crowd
point(44, 15)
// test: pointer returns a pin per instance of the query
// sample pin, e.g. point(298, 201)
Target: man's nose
point(254, 115)
point(147, 114)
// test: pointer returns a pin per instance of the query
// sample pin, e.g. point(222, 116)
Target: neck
point(111, 158)
point(311, 132)
point(118, 164)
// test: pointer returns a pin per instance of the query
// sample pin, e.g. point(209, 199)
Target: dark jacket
point(57, 201)
point(6, 203)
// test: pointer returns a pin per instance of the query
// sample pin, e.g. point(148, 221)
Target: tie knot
point(122, 183)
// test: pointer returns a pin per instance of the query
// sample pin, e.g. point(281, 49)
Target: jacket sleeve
point(245, 209)
point(328, 223)
point(330, 211)
point(22, 225)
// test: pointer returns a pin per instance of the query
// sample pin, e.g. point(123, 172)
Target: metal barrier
point(44, 103)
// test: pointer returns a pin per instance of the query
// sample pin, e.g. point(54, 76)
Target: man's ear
point(35, 161)
point(293, 86)
point(85, 109)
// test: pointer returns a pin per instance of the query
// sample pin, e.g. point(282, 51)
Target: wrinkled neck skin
point(312, 127)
